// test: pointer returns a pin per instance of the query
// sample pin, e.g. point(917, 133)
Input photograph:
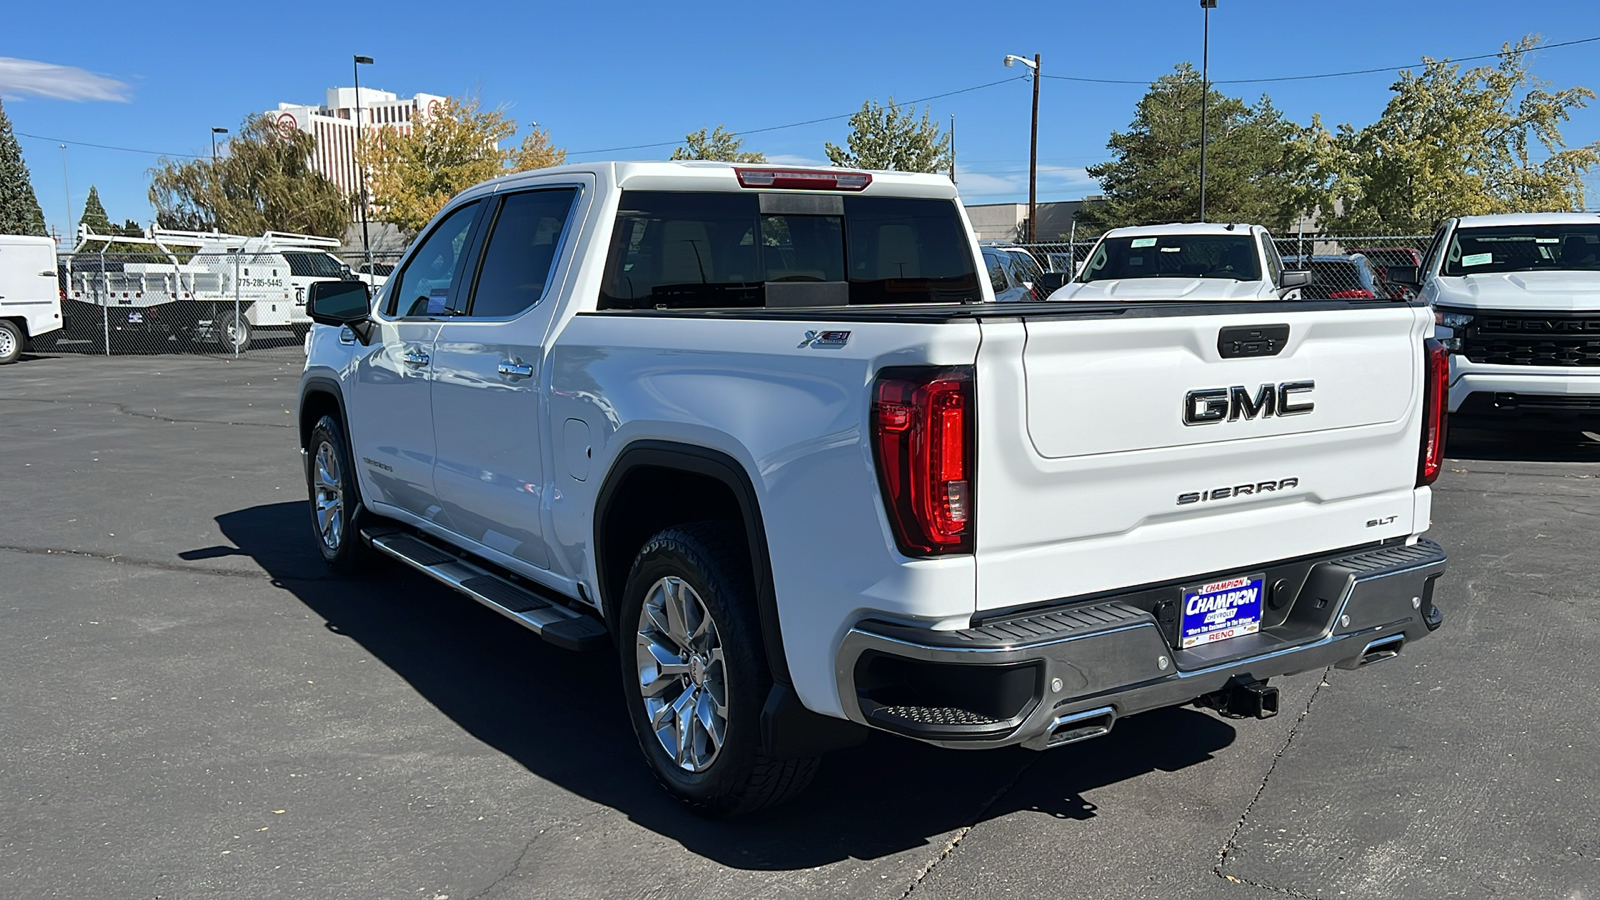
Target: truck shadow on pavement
point(1521, 446)
point(560, 715)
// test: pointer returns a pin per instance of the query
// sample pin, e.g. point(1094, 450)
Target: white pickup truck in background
point(766, 432)
point(30, 300)
point(1184, 262)
point(1517, 301)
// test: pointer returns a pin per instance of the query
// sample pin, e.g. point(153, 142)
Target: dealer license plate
point(1221, 610)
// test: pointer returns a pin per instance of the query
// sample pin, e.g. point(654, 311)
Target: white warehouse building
point(334, 125)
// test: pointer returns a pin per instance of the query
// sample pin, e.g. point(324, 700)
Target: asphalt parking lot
point(191, 707)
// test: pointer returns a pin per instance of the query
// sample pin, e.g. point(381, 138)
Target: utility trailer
point(186, 288)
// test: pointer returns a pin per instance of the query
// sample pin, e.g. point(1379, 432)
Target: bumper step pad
point(558, 625)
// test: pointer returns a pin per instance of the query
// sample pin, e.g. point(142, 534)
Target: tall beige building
point(334, 126)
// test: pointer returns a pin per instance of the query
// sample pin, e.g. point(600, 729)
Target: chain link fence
point(253, 303)
point(1341, 266)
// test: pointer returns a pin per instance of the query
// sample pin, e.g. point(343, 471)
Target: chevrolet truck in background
point(764, 434)
point(1517, 302)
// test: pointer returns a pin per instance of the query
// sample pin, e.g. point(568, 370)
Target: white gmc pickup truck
point(1517, 299)
point(765, 432)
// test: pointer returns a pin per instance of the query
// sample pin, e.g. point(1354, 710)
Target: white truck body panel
point(29, 292)
point(1082, 453)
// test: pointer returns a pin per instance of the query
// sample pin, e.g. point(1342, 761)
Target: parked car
point(1381, 258)
point(1334, 277)
point(1008, 274)
point(1190, 261)
point(726, 419)
point(1517, 301)
point(30, 297)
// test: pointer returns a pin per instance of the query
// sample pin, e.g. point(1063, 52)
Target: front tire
point(696, 673)
point(335, 499)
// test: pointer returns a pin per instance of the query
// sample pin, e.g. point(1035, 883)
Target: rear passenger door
point(488, 362)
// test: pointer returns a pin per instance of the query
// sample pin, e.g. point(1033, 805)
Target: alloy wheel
point(682, 674)
point(328, 496)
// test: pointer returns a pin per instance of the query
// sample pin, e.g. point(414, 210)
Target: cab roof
point(1183, 228)
point(708, 175)
point(1514, 219)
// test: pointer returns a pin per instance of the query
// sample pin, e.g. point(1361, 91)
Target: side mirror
point(339, 303)
point(1050, 282)
point(1406, 275)
point(1294, 278)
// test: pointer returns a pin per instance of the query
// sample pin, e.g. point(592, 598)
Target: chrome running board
point(555, 623)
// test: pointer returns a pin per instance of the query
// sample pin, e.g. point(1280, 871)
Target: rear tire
point(233, 332)
point(336, 511)
point(696, 673)
point(10, 342)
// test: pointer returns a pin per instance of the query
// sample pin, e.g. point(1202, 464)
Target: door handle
point(415, 358)
point(515, 369)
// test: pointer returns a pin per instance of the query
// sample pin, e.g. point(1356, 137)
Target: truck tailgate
point(1090, 478)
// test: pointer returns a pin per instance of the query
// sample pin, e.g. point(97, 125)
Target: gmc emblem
point(1209, 405)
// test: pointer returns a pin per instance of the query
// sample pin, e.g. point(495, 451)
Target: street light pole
point(214, 132)
point(361, 170)
point(67, 183)
point(1033, 149)
point(1206, 6)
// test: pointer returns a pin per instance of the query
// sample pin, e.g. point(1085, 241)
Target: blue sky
point(631, 73)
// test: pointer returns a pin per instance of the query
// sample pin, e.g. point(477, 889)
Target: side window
point(520, 252)
point(423, 287)
point(1274, 262)
point(997, 272)
point(1430, 258)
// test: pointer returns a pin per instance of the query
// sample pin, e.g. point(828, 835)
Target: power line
point(1337, 74)
point(965, 90)
point(40, 137)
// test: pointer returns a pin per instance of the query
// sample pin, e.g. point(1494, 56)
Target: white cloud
point(1071, 181)
point(31, 78)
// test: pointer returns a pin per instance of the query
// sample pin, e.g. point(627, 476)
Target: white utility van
point(30, 297)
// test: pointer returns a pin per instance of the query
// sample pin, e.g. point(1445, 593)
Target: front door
point(488, 415)
point(391, 418)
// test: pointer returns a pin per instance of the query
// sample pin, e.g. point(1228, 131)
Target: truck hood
point(1165, 289)
point(1549, 291)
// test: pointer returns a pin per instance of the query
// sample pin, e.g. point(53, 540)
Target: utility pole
point(1033, 148)
point(1206, 6)
point(361, 170)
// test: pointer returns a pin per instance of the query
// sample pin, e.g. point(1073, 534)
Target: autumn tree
point(1260, 167)
point(719, 144)
point(891, 137)
point(265, 183)
point(19, 207)
point(413, 175)
point(1455, 143)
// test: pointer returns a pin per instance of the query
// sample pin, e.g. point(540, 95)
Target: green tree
point(1455, 143)
point(413, 175)
point(19, 208)
point(1260, 167)
point(892, 137)
point(719, 144)
point(265, 183)
point(94, 214)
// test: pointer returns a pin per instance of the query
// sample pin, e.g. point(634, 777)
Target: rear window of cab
point(702, 250)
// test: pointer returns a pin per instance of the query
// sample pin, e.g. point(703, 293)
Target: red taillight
point(923, 442)
point(802, 180)
point(1358, 294)
point(1435, 400)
